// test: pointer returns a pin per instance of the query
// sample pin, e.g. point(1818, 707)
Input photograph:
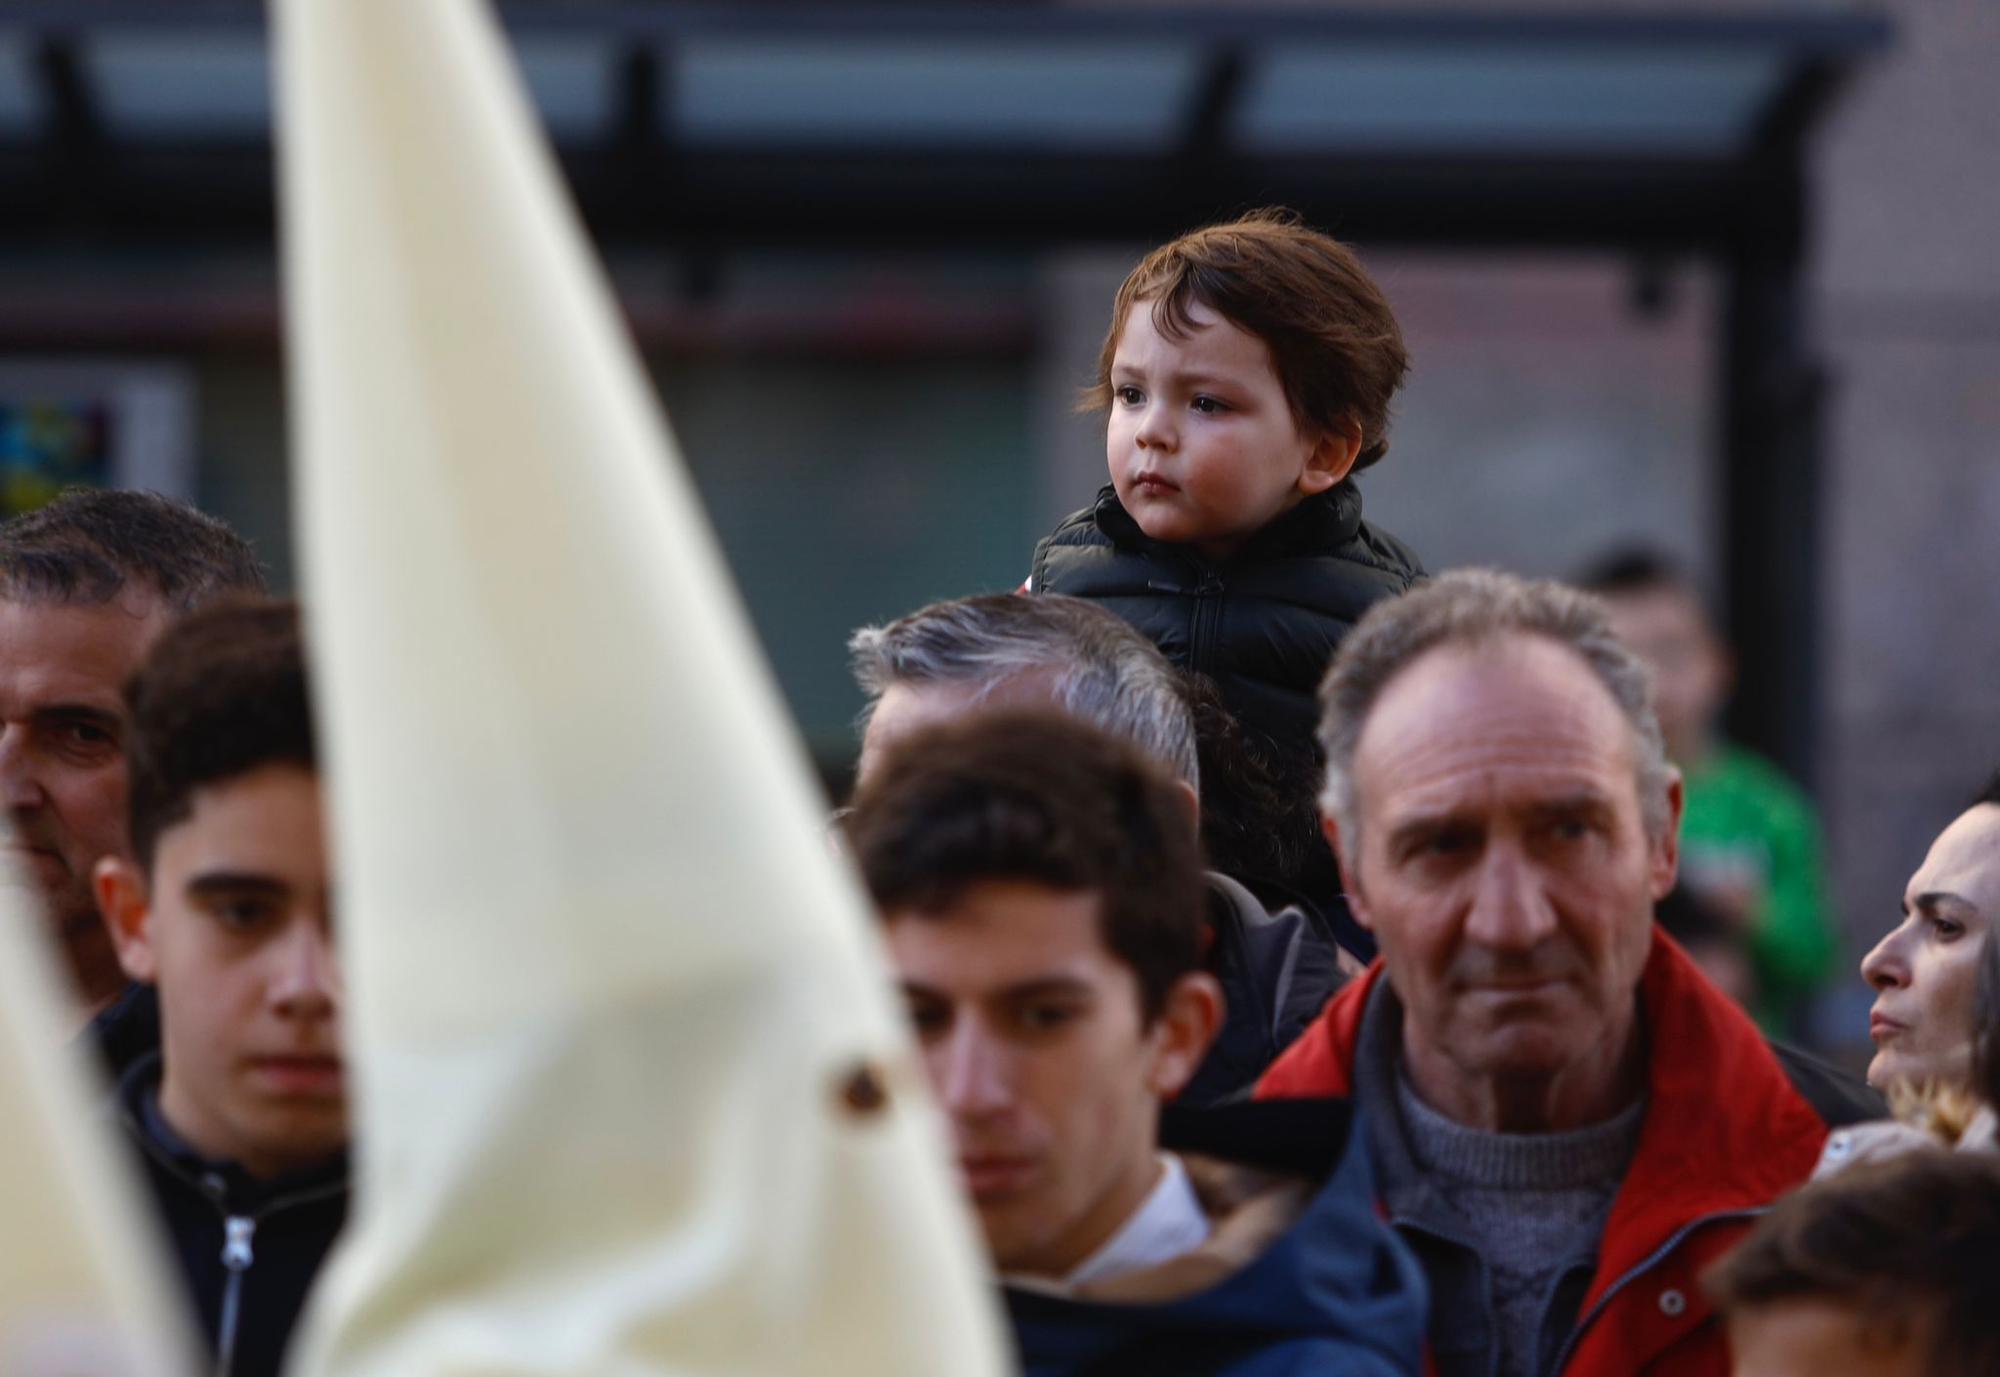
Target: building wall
point(1907, 293)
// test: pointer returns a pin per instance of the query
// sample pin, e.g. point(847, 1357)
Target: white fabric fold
point(82, 1269)
point(615, 1013)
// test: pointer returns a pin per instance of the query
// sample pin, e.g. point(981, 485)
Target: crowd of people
point(1318, 966)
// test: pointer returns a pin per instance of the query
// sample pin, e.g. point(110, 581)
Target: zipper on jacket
point(1207, 607)
point(1658, 1256)
point(237, 1231)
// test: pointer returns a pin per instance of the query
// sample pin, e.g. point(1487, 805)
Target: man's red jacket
point(1731, 1124)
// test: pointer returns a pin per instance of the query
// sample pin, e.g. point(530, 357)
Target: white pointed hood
point(605, 981)
point(82, 1270)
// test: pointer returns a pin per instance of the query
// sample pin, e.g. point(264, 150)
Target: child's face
point(1201, 443)
point(234, 926)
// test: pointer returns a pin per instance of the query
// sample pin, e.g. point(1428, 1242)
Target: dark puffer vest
point(1263, 624)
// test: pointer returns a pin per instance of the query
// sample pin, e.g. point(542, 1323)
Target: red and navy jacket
point(1732, 1122)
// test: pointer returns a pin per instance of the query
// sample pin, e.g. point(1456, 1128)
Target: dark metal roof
point(969, 123)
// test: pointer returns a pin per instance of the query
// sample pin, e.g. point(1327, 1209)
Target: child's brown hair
point(1334, 342)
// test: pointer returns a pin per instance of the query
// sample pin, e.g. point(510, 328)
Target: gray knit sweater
point(1535, 1206)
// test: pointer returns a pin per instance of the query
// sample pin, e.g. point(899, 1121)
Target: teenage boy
point(1040, 886)
point(240, 1119)
point(1247, 375)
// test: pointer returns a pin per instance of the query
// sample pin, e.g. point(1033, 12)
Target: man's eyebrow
point(235, 882)
point(1042, 989)
point(1055, 985)
point(1416, 824)
point(1582, 801)
point(87, 712)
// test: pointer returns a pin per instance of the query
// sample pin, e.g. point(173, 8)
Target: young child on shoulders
point(239, 1121)
point(1247, 374)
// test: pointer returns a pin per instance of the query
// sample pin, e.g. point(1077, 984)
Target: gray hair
point(1467, 607)
point(1100, 669)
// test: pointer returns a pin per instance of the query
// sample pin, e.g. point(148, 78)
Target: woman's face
point(1925, 969)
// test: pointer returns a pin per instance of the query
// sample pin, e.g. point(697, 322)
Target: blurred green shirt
point(1749, 828)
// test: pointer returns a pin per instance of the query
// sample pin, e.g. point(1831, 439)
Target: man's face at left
point(62, 756)
point(1038, 1051)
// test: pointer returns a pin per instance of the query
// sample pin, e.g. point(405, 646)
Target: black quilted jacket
point(1264, 623)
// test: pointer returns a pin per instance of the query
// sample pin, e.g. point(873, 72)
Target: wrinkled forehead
point(65, 646)
point(909, 706)
point(1500, 718)
point(1965, 861)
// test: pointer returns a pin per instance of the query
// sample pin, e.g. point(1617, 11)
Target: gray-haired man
point(1567, 1121)
point(1003, 650)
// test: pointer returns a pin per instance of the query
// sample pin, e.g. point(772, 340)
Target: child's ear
point(1332, 457)
point(122, 903)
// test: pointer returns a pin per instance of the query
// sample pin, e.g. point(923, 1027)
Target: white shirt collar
point(1168, 1223)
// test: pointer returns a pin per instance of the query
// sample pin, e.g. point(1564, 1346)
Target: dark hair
point(1634, 569)
point(1986, 1023)
point(1259, 819)
point(89, 543)
point(1990, 793)
point(222, 692)
point(1334, 342)
point(1893, 1243)
point(1041, 797)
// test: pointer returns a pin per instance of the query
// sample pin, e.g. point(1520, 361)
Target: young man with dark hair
point(240, 1118)
point(1039, 882)
point(86, 583)
point(1884, 1271)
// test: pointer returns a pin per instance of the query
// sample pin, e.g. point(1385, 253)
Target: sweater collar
point(1724, 1131)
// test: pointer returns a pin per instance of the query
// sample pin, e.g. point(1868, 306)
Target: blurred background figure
point(1753, 907)
point(1885, 1272)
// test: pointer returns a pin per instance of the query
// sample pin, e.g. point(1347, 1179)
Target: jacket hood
point(1295, 1265)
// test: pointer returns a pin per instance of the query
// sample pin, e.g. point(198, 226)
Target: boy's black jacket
point(1263, 624)
point(280, 1230)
